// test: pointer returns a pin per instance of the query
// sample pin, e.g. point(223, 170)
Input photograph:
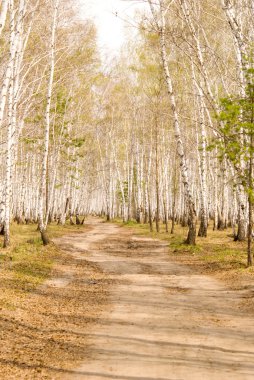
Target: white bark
point(160, 23)
point(3, 14)
point(201, 156)
point(43, 185)
point(11, 125)
point(199, 53)
point(240, 45)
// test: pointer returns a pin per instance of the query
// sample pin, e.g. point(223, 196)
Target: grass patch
point(178, 246)
point(26, 264)
point(130, 223)
point(31, 265)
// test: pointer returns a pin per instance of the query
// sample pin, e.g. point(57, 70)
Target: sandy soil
point(166, 321)
point(120, 308)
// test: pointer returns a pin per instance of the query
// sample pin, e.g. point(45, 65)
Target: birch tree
point(16, 46)
point(3, 14)
point(43, 184)
point(159, 19)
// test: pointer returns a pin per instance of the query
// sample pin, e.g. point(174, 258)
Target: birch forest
point(127, 191)
point(163, 133)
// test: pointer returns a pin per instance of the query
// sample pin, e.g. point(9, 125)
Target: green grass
point(27, 263)
point(32, 264)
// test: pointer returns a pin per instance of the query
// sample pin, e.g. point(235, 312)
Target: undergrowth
point(27, 263)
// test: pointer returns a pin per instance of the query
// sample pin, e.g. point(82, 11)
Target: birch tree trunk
point(241, 58)
point(130, 185)
point(138, 183)
point(43, 184)
point(148, 185)
point(240, 45)
point(202, 158)
point(174, 192)
point(161, 27)
point(198, 50)
point(3, 14)
point(157, 185)
point(11, 125)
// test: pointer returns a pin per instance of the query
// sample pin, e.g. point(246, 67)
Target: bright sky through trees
point(113, 18)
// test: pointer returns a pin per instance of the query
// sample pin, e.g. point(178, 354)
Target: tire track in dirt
point(166, 321)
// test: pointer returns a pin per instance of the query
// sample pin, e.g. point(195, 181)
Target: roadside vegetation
point(27, 263)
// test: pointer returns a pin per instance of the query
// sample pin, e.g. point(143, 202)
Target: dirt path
point(166, 322)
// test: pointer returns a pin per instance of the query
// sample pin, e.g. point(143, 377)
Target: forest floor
point(47, 299)
point(121, 305)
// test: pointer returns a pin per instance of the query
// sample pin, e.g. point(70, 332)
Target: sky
point(114, 19)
